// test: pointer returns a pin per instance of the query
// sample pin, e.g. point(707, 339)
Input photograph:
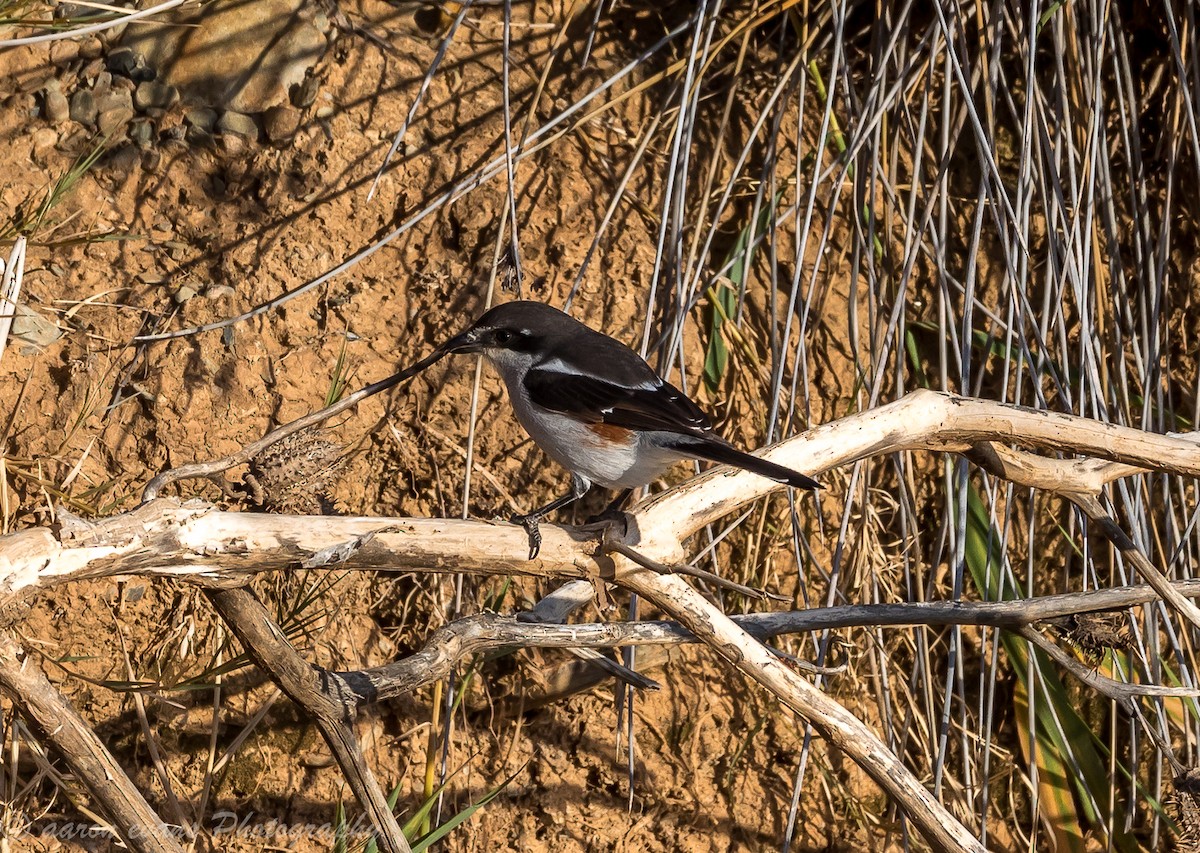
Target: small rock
point(22, 104)
point(92, 70)
point(103, 84)
point(142, 132)
point(151, 159)
point(183, 294)
point(30, 327)
point(201, 118)
point(83, 107)
point(127, 62)
point(44, 140)
point(76, 11)
point(199, 137)
point(281, 123)
point(232, 144)
point(304, 93)
point(114, 110)
point(91, 48)
point(57, 109)
point(64, 52)
point(124, 83)
point(219, 291)
point(238, 123)
point(122, 60)
point(153, 95)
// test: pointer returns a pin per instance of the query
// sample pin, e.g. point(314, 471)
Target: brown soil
point(715, 759)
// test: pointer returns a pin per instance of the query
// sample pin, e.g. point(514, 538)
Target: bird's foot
point(530, 523)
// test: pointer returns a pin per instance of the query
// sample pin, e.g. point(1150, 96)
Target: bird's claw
point(530, 523)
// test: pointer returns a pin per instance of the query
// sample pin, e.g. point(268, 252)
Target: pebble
point(232, 144)
point(114, 110)
point(281, 123)
point(91, 70)
point(64, 52)
point(30, 327)
point(83, 107)
point(23, 104)
point(142, 132)
point(55, 102)
point(198, 136)
point(122, 60)
point(183, 294)
point(218, 291)
point(201, 118)
point(325, 111)
point(153, 95)
point(304, 93)
point(103, 83)
point(91, 48)
point(44, 139)
point(239, 123)
point(151, 158)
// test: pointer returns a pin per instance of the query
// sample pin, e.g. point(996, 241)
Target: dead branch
point(60, 726)
point(317, 692)
point(169, 538)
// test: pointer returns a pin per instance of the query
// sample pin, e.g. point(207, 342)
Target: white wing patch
point(557, 365)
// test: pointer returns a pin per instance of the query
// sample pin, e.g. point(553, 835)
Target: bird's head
point(513, 334)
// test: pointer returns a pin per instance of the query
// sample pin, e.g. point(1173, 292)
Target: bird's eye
point(503, 336)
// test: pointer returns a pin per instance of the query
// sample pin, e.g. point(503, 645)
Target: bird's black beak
point(465, 342)
point(468, 341)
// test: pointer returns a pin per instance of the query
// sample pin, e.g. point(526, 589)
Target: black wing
point(664, 408)
point(593, 400)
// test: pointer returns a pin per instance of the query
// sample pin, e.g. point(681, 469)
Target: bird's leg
point(579, 488)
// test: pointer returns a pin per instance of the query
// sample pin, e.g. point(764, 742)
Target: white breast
point(577, 448)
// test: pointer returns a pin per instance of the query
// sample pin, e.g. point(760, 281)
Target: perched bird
point(595, 406)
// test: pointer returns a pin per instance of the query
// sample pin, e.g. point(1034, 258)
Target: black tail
point(711, 451)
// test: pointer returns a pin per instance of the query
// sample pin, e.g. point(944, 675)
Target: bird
point(595, 406)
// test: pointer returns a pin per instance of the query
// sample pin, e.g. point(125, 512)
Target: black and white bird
point(595, 406)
